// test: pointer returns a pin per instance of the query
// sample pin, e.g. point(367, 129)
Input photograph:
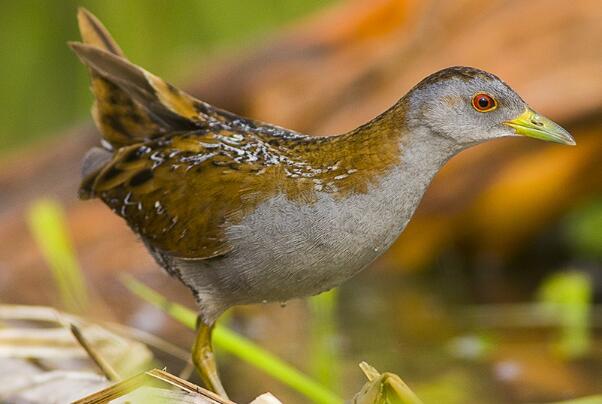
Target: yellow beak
point(531, 124)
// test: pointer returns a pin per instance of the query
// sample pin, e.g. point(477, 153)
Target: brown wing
point(177, 192)
point(176, 169)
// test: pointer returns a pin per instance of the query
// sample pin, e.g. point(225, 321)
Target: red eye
point(483, 102)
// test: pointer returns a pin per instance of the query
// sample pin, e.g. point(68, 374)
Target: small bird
point(243, 211)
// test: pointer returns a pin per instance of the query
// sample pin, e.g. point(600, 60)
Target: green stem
point(47, 224)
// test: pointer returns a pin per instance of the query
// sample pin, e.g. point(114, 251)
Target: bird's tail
point(131, 104)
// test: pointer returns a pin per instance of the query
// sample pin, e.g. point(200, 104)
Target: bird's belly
point(285, 249)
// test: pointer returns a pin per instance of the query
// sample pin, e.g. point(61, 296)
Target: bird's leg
point(204, 360)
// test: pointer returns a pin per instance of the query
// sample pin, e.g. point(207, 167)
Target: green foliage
point(584, 229)
point(452, 387)
point(47, 224)
point(569, 295)
point(45, 88)
point(385, 388)
point(324, 352)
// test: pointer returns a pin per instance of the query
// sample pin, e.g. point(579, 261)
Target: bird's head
point(469, 105)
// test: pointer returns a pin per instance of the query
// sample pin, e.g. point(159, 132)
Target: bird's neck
point(383, 160)
point(398, 186)
point(422, 153)
point(386, 148)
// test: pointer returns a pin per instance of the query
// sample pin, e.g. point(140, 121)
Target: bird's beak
point(531, 124)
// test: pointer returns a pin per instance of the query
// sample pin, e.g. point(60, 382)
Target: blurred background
point(493, 293)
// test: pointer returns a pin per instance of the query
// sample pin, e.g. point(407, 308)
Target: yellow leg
point(204, 360)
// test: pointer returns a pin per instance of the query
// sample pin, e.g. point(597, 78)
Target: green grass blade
point(569, 295)
point(47, 224)
point(239, 346)
point(324, 355)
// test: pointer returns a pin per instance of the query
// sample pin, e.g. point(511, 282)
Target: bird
point(242, 211)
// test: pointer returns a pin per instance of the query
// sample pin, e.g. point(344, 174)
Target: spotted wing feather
point(178, 192)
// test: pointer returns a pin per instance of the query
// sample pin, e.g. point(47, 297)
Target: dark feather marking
point(131, 155)
point(115, 123)
point(141, 177)
point(111, 173)
point(135, 117)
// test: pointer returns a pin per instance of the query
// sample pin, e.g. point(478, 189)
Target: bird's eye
point(483, 102)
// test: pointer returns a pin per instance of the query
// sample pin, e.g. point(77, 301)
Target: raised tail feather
point(131, 105)
point(94, 33)
point(138, 104)
point(120, 120)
